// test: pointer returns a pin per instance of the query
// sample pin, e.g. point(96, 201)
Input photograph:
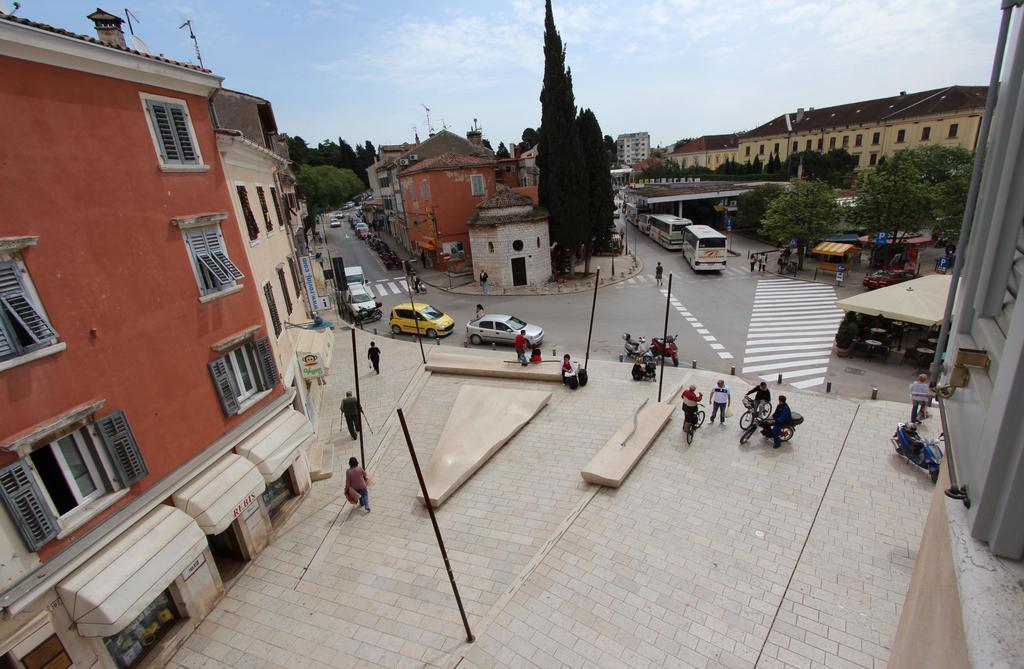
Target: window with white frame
point(24, 326)
point(61, 482)
point(213, 268)
point(172, 131)
point(242, 373)
point(477, 184)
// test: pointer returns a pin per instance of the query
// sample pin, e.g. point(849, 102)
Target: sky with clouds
point(675, 68)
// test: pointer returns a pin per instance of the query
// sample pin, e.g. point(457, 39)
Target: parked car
point(502, 328)
point(362, 230)
point(335, 222)
point(432, 321)
point(359, 298)
point(883, 278)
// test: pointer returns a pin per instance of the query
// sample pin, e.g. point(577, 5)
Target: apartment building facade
point(632, 147)
point(147, 443)
point(872, 129)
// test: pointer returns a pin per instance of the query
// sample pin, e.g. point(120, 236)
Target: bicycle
point(761, 410)
point(689, 428)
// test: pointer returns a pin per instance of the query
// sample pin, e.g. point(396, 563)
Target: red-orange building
point(141, 400)
point(440, 196)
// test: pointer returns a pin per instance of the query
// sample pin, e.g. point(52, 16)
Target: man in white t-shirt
point(920, 397)
point(720, 400)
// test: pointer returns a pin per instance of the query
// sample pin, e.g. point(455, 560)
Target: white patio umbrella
point(921, 301)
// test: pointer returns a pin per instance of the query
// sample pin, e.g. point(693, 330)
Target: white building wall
point(498, 262)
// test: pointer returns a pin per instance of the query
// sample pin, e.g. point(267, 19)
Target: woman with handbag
point(356, 485)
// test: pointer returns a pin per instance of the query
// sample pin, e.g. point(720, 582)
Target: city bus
point(704, 248)
point(667, 230)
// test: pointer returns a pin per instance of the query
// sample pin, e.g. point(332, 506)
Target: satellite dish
point(139, 45)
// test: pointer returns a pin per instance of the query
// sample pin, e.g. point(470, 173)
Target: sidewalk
point(712, 555)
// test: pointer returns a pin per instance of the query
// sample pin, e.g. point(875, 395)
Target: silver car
point(503, 329)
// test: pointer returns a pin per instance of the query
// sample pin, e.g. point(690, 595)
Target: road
point(789, 330)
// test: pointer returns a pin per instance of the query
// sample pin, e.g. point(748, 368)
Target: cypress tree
point(562, 185)
point(600, 206)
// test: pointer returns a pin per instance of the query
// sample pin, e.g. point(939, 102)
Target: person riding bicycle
point(781, 416)
point(691, 399)
point(761, 394)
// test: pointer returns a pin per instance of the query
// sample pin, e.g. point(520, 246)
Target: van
point(354, 276)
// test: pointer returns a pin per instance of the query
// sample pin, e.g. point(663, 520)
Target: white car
point(360, 299)
point(502, 328)
point(335, 222)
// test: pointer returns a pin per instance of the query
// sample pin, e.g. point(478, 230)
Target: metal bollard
point(693, 364)
point(554, 352)
point(437, 340)
point(874, 393)
point(374, 330)
point(465, 344)
point(828, 387)
point(780, 379)
point(493, 347)
point(732, 371)
point(620, 357)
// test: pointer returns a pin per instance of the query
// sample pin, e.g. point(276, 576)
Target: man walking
point(521, 344)
point(350, 407)
point(374, 355)
point(355, 480)
point(483, 281)
point(753, 262)
point(658, 271)
point(720, 400)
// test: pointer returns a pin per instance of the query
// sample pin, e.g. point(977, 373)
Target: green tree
point(834, 168)
point(600, 205)
point(562, 186)
point(808, 211)
point(298, 150)
point(892, 199)
point(680, 142)
point(756, 167)
point(752, 205)
point(326, 186)
point(530, 138)
point(612, 148)
point(946, 173)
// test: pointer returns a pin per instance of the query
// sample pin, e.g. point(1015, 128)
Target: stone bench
point(443, 362)
point(612, 464)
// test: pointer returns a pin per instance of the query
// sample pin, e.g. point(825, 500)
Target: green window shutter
point(225, 388)
point(265, 360)
point(119, 440)
point(15, 300)
point(161, 118)
point(179, 121)
point(26, 506)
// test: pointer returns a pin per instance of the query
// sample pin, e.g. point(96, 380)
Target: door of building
point(518, 271)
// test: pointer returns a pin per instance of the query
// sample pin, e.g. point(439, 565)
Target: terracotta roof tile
point(447, 161)
point(506, 197)
point(93, 40)
point(708, 143)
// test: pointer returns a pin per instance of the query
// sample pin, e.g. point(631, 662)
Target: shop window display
point(131, 644)
point(277, 492)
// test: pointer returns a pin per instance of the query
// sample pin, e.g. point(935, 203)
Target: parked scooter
point(635, 348)
point(924, 453)
point(667, 348)
point(644, 368)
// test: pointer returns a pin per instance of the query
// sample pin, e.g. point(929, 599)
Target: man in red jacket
point(521, 344)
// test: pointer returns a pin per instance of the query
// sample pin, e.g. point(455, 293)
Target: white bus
point(667, 230)
point(704, 248)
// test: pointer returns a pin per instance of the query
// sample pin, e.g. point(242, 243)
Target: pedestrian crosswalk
point(698, 326)
point(792, 327)
point(684, 275)
point(395, 286)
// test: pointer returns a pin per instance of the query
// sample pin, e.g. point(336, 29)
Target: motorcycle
point(648, 371)
point(785, 433)
point(391, 261)
point(364, 315)
point(419, 287)
point(924, 453)
point(635, 348)
point(666, 348)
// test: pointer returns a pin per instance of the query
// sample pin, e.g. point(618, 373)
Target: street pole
point(664, 337)
point(593, 307)
point(437, 530)
point(415, 314)
point(359, 399)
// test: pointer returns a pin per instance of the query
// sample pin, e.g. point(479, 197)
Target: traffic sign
point(881, 239)
point(792, 241)
point(942, 265)
point(841, 269)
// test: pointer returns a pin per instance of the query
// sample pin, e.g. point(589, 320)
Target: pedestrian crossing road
point(394, 286)
point(792, 327)
point(686, 277)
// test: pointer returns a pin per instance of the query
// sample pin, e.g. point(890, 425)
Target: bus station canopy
point(921, 301)
point(832, 248)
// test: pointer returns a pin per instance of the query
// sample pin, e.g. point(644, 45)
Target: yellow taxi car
point(432, 322)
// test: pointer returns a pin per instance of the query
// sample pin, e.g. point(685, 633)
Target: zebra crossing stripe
point(797, 373)
point(783, 365)
point(725, 355)
point(394, 288)
point(809, 383)
point(785, 356)
point(799, 347)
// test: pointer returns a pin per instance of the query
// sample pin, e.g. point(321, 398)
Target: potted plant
point(845, 335)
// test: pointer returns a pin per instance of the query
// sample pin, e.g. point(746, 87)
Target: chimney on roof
point(902, 93)
point(799, 114)
point(475, 134)
point(108, 28)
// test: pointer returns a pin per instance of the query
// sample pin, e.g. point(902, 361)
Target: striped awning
point(832, 248)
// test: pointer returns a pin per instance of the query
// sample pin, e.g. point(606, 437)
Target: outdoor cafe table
point(872, 344)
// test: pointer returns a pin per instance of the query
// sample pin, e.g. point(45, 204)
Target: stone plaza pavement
point(712, 555)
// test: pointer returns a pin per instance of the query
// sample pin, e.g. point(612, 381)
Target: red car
point(883, 278)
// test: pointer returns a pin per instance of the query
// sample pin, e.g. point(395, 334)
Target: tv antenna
point(136, 40)
point(192, 35)
point(430, 128)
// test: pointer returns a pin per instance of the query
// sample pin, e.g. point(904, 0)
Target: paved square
point(712, 555)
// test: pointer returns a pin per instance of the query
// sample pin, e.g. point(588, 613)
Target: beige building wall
point(248, 165)
point(889, 140)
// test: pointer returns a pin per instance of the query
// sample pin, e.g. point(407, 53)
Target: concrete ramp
point(613, 463)
point(482, 420)
point(443, 362)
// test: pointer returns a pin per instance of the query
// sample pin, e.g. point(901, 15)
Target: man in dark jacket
point(350, 407)
point(779, 418)
point(374, 355)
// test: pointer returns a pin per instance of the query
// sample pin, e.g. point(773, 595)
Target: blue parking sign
point(881, 238)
